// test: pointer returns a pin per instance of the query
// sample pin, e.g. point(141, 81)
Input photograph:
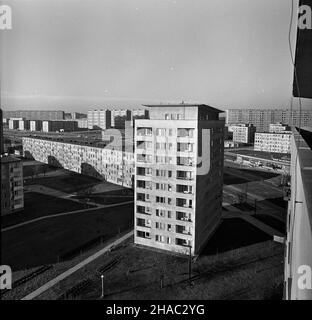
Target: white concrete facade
point(272, 142)
point(177, 207)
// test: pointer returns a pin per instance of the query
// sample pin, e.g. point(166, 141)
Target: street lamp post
point(102, 282)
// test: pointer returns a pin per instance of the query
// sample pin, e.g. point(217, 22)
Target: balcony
point(144, 184)
point(184, 203)
point(183, 242)
point(185, 175)
point(142, 234)
point(185, 132)
point(185, 161)
point(144, 158)
point(184, 189)
point(143, 223)
point(142, 197)
point(144, 172)
point(143, 210)
point(185, 147)
point(183, 230)
point(182, 216)
point(143, 132)
point(143, 145)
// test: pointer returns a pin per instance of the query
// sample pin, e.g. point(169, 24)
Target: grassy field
point(32, 170)
point(39, 205)
point(232, 234)
point(279, 202)
point(44, 241)
point(68, 182)
point(248, 273)
point(272, 222)
point(104, 199)
point(229, 179)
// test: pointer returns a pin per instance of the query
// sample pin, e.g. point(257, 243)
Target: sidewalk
point(56, 193)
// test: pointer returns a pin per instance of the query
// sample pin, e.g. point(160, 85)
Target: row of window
point(164, 186)
point(163, 132)
point(180, 161)
point(180, 174)
point(163, 213)
point(165, 239)
point(179, 202)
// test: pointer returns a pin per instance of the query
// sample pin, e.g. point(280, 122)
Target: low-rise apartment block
point(119, 117)
point(63, 125)
point(273, 142)
point(35, 114)
point(279, 127)
point(104, 161)
point(178, 177)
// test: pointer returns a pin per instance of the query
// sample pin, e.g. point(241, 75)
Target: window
point(159, 238)
point(160, 199)
point(143, 234)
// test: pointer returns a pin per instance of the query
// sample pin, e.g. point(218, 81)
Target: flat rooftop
point(183, 105)
point(96, 143)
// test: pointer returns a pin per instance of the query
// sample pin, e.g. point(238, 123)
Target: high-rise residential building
point(75, 115)
point(14, 123)
point(273, 142)
point(99, 119)
point(178, 177)
point(139, 114)
point(244, 133)
point(279, 127)
point(298, 251)
point(12, 197)
point(35, 125)
point(119, 117)
point(24, 125)
point(35, 114)
point(111, 162)
point(262, 118)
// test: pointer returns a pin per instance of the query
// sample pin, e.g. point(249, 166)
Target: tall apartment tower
point(99, 119)
point(178, 177)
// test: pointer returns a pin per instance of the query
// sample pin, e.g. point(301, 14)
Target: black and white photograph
point(156, 155)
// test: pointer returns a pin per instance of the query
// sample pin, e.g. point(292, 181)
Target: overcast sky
point(77, 54)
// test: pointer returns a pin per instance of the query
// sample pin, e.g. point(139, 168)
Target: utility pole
point(190, 263)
